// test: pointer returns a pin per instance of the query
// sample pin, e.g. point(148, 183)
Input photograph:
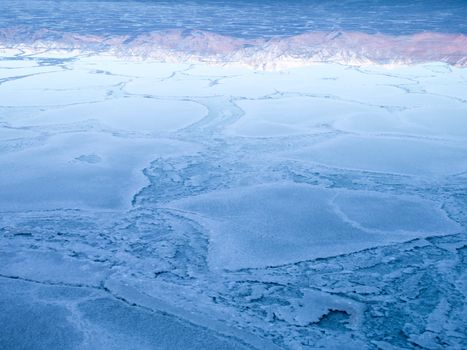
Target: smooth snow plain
point(158, 205)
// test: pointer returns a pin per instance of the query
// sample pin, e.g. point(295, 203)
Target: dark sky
point(237, 18)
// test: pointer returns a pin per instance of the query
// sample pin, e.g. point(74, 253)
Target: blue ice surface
point(240, 18)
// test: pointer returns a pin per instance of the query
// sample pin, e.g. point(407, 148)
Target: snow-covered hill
point(284, 52)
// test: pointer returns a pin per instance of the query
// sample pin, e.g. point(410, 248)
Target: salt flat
point(132, 114)
point(145, 202)
point(388, 155)
point(282, 223)
point(80, 169)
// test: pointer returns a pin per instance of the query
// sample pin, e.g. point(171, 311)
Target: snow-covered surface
point(148, 205)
